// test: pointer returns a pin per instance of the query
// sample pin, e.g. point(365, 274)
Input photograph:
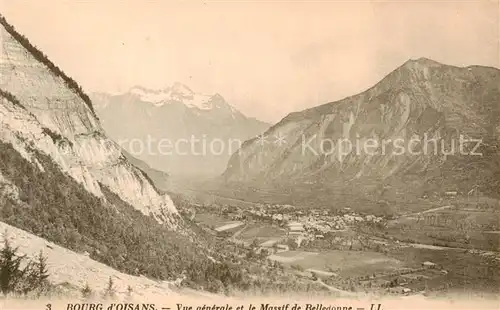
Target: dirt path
point(494, 254)
point(334, 289)
point(440, 248)
point(428, 211)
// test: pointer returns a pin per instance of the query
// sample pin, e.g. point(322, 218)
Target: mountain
point(308, 153)
point(45, 111)
point(64, 182)
point(176, 129)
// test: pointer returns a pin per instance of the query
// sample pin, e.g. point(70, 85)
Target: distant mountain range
point(422, 99)
point(175, 129)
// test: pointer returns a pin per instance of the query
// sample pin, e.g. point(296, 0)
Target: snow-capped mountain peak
point(181, 90)
point(149, 95)
point(177, 93)
point(176, 113)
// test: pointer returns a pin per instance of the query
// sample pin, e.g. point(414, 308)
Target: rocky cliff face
point(420, 111)
point(42, 109)
point(181, 132)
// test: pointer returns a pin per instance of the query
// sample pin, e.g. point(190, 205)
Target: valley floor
point(440, 250)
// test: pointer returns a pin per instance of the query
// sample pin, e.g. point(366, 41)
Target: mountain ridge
point(404, 66)
point(176, 114)
point(421, 97)
point(45, 110)
point(40, 56)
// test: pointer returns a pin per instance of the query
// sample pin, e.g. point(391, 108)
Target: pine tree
point(86, 291)
point(129, 293)
point(41, 273)
point(17, 280)
point(110, 291)
point(10, 263)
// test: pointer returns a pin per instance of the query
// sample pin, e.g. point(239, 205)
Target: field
point(464, 271)
point(463, 226)
point(455, 270)
point(230, 226)
point(211, 220)
point(342, 263)
point(390, 258)
point(262, 232)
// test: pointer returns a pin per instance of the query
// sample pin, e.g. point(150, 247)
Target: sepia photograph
point(249, 155)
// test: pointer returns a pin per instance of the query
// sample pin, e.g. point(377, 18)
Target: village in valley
point(346, 250)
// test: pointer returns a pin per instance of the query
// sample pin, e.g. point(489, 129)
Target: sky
point(267, 58)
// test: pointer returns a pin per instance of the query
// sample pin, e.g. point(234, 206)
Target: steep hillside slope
point(37, 197)
point(64, 181)
point(176, 129)
point(47, 111)
point(73, 270)
point(157, 177)
point(420, 101)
